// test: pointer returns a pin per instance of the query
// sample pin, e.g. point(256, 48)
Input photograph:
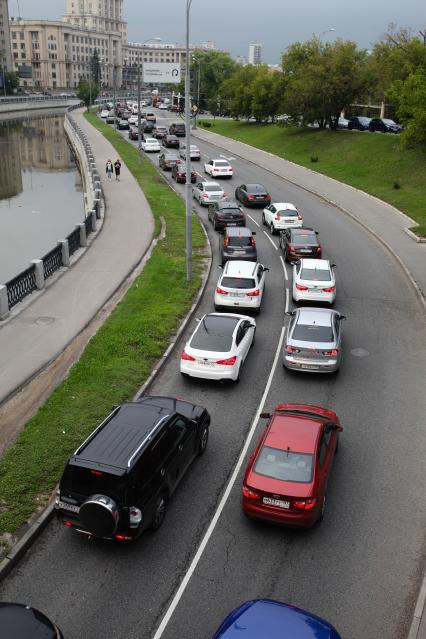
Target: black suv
point(238, 244)
point(226, 213)
point(118, 482)
point(359, 122)
point(300, 242)
point(385, 125)
point(177, 128)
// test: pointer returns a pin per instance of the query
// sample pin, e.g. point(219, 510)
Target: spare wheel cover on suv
point(100, 514)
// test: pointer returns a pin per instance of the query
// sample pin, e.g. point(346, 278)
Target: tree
point(214, 68)
point(11, 81)
point(409, 97)
point(87, 91)
point(254, 91)
point(321, 80)
point(95, 68)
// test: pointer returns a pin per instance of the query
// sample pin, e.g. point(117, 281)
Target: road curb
point(418, 611)
point(322, 197)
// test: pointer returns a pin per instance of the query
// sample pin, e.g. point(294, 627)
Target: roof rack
point(147, 438)
point(101, 425)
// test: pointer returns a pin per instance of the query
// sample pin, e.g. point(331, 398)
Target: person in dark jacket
point(117, 168)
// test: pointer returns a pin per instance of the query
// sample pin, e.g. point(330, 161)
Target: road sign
point(161, 72)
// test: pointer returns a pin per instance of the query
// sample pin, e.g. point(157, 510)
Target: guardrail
point(35, 98)
point(35, 276)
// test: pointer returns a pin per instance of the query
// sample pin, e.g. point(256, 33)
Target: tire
point(159, 513)
point(215, 226)
point(263, 219)
point(336, 450)
point(285, 255)
point(321, 517)
point(272, 228)
point(254, 339)
point(202, 443)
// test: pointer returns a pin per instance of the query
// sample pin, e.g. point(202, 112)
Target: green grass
point(117, 359)
point(373, 163)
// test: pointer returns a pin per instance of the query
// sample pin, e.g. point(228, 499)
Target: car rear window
point(239, 240)
point(305, 239)
point(238, 282)
point(212, 188)
point(178, 126)
point(313, 333)
point(285, 465)
point(287, 212)
point(318, 274)
point(86, 482)
point(255, 188)
point(229, 211)
point(221, 163)
point(214, 334)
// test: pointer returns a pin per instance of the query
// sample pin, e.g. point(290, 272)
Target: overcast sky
point(233, 24)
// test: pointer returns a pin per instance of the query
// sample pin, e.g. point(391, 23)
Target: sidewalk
point(383, 219)
point(43, 329)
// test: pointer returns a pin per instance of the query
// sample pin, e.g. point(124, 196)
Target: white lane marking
point(271, 240)
point(225, 157)
point(284, 267)
point(180, 591)
point(253, 220)
point(287, 299)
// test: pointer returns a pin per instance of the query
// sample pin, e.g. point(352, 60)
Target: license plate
point(239, 252)
point(205, 363)
point(305, 251)
point(70, 507)
point(276, 502)
point(309, 367)
point(231, 224)
point(259, 197)
point(238, 294)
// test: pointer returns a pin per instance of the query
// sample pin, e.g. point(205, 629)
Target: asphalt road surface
point(360, 568)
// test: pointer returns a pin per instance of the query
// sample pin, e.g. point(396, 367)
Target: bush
point(206, 125)
point(396, 185)
point(314, 158)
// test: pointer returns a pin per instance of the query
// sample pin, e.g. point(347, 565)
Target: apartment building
point(5, 53)
point(255, 53)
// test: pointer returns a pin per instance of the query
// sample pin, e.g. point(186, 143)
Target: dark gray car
point(226, 213)
point(238, 243)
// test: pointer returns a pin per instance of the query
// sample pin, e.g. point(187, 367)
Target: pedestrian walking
point(109, 169)
point(117, 167)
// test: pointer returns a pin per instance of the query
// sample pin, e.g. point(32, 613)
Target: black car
point(170, 141)
point(177, 128)
point(300, 242)
point(133, 134)
point(159, 132)
point(18, 621)
point(148, 127)
point(238, 243)
point(179, 173)
point(123, 125)
point(226, 213)
point(359, 122)
point(252, 195)
point(385, 125)
point(119, 481)
point(125, 115)
point(167, 160)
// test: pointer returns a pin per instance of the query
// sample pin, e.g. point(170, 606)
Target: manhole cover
point(360, 352)
point(44, 320)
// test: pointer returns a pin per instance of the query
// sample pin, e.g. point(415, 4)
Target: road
point(360, 567)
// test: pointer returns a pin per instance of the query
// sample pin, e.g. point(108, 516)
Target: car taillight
point(67, 523)
point(299, 217)
point(290, 349)
point(268, 198)
point(226, 241)
point(122, 537)
point(96, 472)
point(248, 493)
point(221, 291)
point(277, 216)
point(305, 504)
point(187, 357)
point(301, 288)
point(253, 243)
point(205, 196)
point(318, 249)
point(250, 197)
point(332, 353)
point(255, 293)
point(328, 290)
point(227, 362)
point(290, 248)
point(215, 170)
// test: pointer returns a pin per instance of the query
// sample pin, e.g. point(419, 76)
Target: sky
point(233, 24)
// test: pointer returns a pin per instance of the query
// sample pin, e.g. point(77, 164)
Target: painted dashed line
point(271, 240)
point(284, 268)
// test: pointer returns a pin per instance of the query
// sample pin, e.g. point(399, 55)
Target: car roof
point(302, 230)
point(24, 622)
point(207, 183)
point(284, 205)
point(297, 432)
point(240, 268)
point(307, 262)
point(315, 315)
point(115, 441)
point(238, 230)
point(255, 187)
point(273, 620)
point(151, 140)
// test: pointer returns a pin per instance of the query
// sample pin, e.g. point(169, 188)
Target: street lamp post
point(188, 215)
point(157, 39)
point(198, 61)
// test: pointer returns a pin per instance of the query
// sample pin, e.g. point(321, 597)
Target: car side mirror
point(198, 319)
point(289, 313)
point(266, 268)
point(316, 232)
point(220, 266)
point(253, 232)
point(342, 317)
point(265, 415)
point(338, 428)
point(333, 265)
point(295, 263)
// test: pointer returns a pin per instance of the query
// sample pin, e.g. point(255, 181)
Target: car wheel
point(254, 338)
point(336, 450)
point(285, 256)
point(272, 228)
point(237, 379)
point(159, 511)
point(263, 219)
point(204, 438)
point(215, 226)
point(321, 517)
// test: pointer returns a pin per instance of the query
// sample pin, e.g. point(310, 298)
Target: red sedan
point(286, 478)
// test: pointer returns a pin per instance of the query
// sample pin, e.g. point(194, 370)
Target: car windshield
point(288, 212)
point(285, 465)
point(214, 334)
point(221, 163)
point(304, 239)
point(238, 282)
point(313, 333)
point(363, 119)
point(239, 240)
point(319, 274)
point(387, 121)
point(212, 188)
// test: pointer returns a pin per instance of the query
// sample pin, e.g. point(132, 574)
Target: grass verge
point(117, 359)
point(374, 163)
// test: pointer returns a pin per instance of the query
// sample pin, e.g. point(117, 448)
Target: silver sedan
point(313, 340)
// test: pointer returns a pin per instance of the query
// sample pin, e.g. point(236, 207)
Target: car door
point(239, 193)
point(260, 279)
point(208, 167)
point(181, 434)
point(243, 338)
point(269, 213)
point(323, 465)
point(197, 190)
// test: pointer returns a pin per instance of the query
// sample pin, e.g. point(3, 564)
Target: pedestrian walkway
point(383, 219)
point(38, 334)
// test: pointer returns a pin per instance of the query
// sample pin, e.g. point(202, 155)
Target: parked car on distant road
point(359, 122)
point(286, 478)
point(252, 195)
point(384, 125)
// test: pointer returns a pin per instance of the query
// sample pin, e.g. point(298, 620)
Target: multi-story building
point(10, 166)
point(5, 53)
point(255, 53)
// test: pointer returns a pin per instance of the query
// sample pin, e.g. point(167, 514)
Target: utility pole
point(188, 201)
point(139, 100)
point(114, 97)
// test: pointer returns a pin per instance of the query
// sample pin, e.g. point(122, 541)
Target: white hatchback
point(241, 285)
point(314, 280)
point(104, 113)
point(133, 119)
point(219, 168)
point(218, 347)
point(208, 192)
point(281, 215)
point(150, 145)
point(195, 153)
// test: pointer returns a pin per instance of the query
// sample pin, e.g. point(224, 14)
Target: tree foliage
point(214, 67)
point(95, 67)
point(88, 91)
point(254, 91)
point(11, 82)
point(409, 95)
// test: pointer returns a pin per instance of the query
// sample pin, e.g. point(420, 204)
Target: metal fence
point(21, 286)
point(74, 241)
point(52, 261)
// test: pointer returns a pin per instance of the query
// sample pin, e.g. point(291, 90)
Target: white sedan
point(195, 152)
point(104, 113)
point(314, 281)
point(219, 168)
point(281, 215)
point(150, 145)
point(162, 106)
point(241, 285)
point(133, 119)
point(218, 347)
point(207, 193)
